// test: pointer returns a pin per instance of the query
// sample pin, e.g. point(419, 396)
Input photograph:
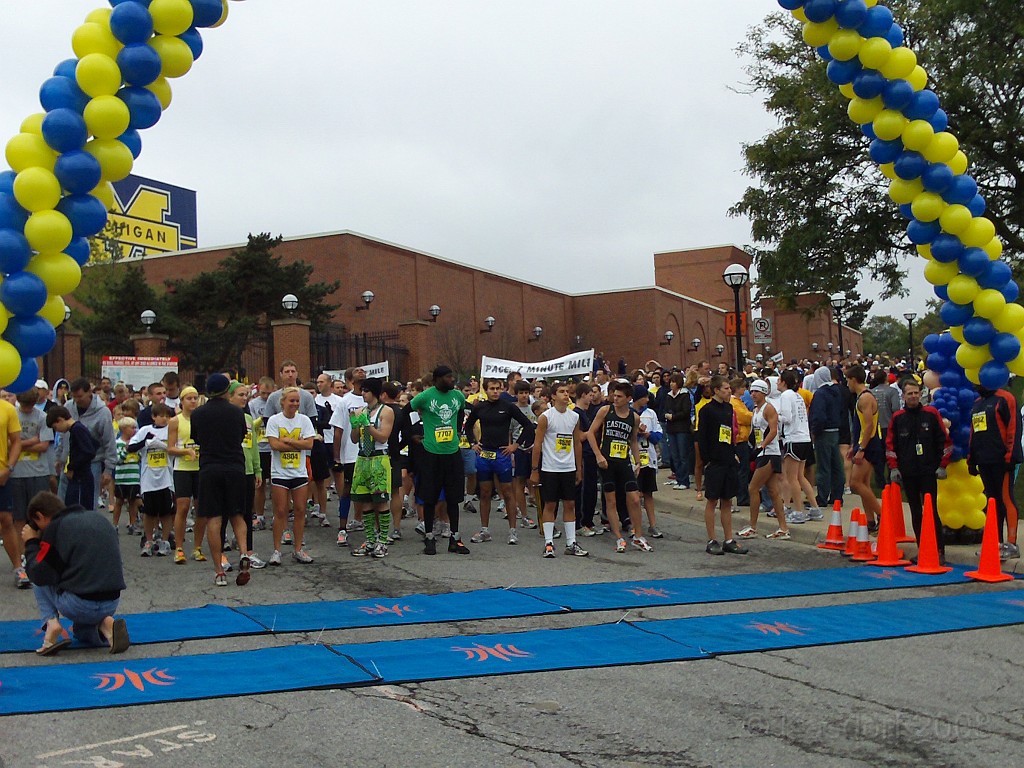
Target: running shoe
point(21, 580)
point(225, 565)
point(714, 548)
point(639, 542)
point(380, 551)
point(680, 487)
point(671, 480)
point(814, 513)
point(556, 535)
point(733, 548)
point(362, 550)
point(599, 530)
point(549, 550)
point(147, 549)
point(197, 555)
point(480, 537)
point(179, 556)
point(456, 546)
point(396, 535)
point(342, 537)
point(575, 550)
point(221, 580)
point(324, 522)
point(129, 530)
point(468, 507)
point(430, 546)
point(526, 522)
point(770, 512)
point(227, 545)
point(243, 571)
point(620, 545)
point(746, 532)
point(513, 537)
point(654, 532)
point(260, 524)
point(421, 528)
point(275, 558)
point(446, 531)
point(286, 538)
point(1012, 550)
point(163, 548)
point(585, 531)
point(872, 526)
point(796, 517)
point(301, 556)
point(779, 534)
point(255, 562)
point(353, 524)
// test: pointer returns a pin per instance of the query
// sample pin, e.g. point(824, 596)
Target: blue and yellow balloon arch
point(63, 161)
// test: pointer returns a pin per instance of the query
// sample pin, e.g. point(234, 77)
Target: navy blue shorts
point(499, 467)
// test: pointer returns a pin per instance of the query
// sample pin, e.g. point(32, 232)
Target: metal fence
point(94, 348)
point(334, 348)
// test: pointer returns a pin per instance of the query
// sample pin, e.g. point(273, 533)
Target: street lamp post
point(910, 330)
point(838, 301)
point(736, 276)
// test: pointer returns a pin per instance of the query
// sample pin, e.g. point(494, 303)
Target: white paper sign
point(576, 364)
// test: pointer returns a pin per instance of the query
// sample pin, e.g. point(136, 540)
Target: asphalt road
point(938, 700)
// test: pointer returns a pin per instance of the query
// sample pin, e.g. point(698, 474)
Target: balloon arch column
point(63, 161)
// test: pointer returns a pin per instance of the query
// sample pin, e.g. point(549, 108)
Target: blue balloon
point(1004, 347)
point(996, 275)
point(962, 190)
point(958, 453)
point(977, 206)
point(850, 14)
point(883, 152)
point(27, 378)
point(23, 293)
point(31, 336)
point(1010, 291)
point(143, 106)
point(79, 250)
point(139, 63)
point(86, 213)
point(953, 415)
point(921, 233)
point(931, 342)
point(979, 331)
point(133, 141)
point(868, 129)
point(819, 10)
point(131, 23)
point(956, 314)
point(907, 211)
point(12, 215)
point(7, 182)
point(791, 5)
point(938, 177)
point(948, 345)
point(939, 121)
point(877, 22)
point(922, 106)
point(897, 94)
point(966, 397)
point(144, 3)
point(824, 53)
point(78, 172)
point(910, 165)
point(937, 362)
point(942, 291)
point(868, 83)
point(66, 68)
point(15, 251)
point(62, 93)
point(194, 41)
point(947, 248)
point(973, 262)
point(206, 13)
point(949, 378)
point(993, 375)
point(64, 130)
point(843, 72)
point(895, 35)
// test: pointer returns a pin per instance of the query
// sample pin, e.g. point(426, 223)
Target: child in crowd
point(81, 451)
point(155, 479)
point(127, 476)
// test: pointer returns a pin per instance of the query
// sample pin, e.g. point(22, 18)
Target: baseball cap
point(759, 385)
point(41, 384)
point(217, 384)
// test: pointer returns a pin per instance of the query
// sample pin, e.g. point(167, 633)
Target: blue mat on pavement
point(120, 683)
point(410, 609)
point(157, 627)
point(828, 625)
point(616, 595)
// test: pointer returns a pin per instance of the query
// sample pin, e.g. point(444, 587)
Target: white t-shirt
point(155, 461)
point(557, 452)
point(350, 403)
point(289, 464)
point(793, 418)
point(334, 402)
point(650, 419)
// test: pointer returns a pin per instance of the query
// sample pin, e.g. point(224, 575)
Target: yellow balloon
point(33, 123)
point(1016, 365)
point(10, 363)
point(975, 519)
point(171, 17)
point(889, 124)
point(994, 248)
point(162, 89)
point(27, 150)
point(864, 110)
point(958, 165)
point(224, 14)
point(957, 332)
point(955, 219)
point(918, 79)
point(115, 158)
point(799, 15)
point(989, 303)
point(925, 251)
point(973, 375)
point(845, 44)
point(58, 271)
point(1010, 320)
point(962, 289)
point(874, 52)
point(98, 75)
point(979, 232)
point(48, 231)
point(847, 90)
point(104, 192)
point(900, 64)
point(100, 16)
point(106, 117)
point(942, 148)
point(175, 55)
point(903, 191)
point(927, 206)
point(939, 273)
point(36, 189)
point(917, 135)
point(93, 37)
point(870, 3)
point(5, 317)
point(818, 34)
point(888, 170)
point(53, 310)
point(971, 356)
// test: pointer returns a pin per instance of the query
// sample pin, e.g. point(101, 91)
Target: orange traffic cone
point(863, 553)
point(900, 529)
point(928, 550)
point(988, 567)
point(888, 554)
point(851, 537)
point(834, 536)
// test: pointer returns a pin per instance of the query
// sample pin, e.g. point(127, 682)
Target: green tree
point(115, 295)
point(886, 336)
point(820, 212)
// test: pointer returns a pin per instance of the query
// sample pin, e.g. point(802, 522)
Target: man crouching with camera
point(73, 559)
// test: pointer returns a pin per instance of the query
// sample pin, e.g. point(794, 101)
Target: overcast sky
point(557, 141)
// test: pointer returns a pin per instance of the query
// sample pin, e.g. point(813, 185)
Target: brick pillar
point(69, 349)
point(415, 336)
point(291, 342)
point(149, 344)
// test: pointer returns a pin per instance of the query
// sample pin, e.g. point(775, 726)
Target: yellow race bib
point(645, 459)
point(131, 458)
point(463, 442)
point(725, 434)
point(979, 422)
point(156, 459)
point(618, 449)
point(247, 440)
point(444, 434)
point(291, 459)
point(489, 455)
point(29, 456)
point(563, 443)
point(758, 436)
